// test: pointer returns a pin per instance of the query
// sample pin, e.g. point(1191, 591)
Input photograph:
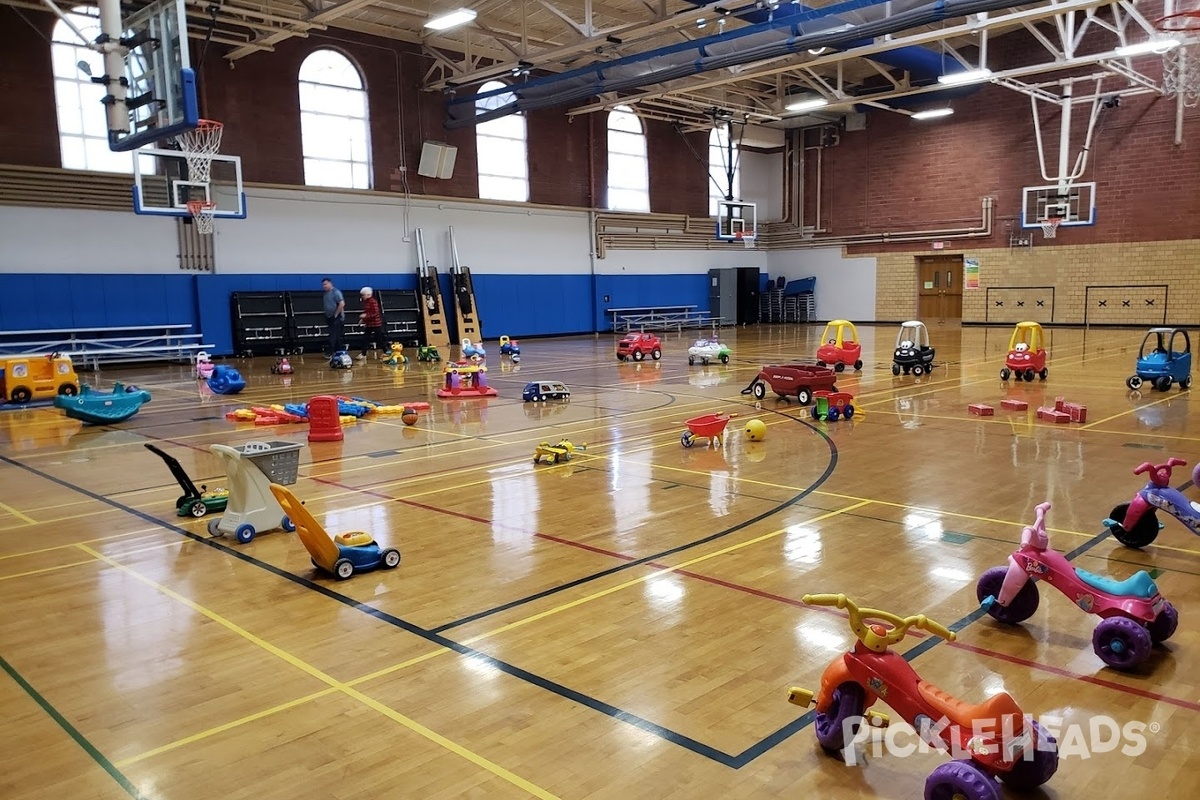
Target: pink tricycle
point(1134, 614)
point(709, 426)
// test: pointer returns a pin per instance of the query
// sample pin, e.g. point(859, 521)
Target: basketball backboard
point(162, 186)
point(1074, 206)
point(736, 220)
point(161, 94)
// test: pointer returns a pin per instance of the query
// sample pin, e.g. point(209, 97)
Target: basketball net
point(202, 212)
point(1181, 66)
point(747, 239)
point(1050, 227)
point(198, 146)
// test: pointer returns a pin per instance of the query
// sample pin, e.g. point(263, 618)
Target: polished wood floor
point(625, 625)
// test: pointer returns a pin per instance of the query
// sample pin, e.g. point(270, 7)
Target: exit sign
point(939, 245)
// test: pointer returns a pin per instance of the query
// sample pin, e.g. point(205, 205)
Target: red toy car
point(800, 380)
point(639, 345)
point(842, 348)
point(1026, 357)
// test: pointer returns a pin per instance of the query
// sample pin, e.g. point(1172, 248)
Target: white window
point(628, 168)
point(333, 122)
point(82, 117)
point(718, 168)
point(502, 153)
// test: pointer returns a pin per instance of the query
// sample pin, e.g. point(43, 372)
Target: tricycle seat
point(1139, 584)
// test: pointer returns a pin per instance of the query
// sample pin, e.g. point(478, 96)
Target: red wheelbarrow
point(710, 426)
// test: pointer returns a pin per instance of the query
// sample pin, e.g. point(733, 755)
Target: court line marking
point(6, 507)
point(72, 731)
point(1127, 411)
point(329, 680)
point(85, 541)
point(46, 569)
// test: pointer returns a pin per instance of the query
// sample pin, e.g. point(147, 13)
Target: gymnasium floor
point(625, 625)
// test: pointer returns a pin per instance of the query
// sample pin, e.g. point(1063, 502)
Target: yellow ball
point(756, 431)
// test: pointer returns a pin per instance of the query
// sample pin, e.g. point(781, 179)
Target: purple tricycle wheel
point(1121, 643)
point(1036, 766)
point(961, 780)
point(1164, 624)
point(1022, 606)
point(848, 701)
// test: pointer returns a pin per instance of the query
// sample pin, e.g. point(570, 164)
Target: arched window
point(628, 170)
point(502, 153)
point(82, 117)
point(718, 168)
point(333, 122)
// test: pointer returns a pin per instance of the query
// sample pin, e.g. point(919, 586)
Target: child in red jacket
point(372, 319)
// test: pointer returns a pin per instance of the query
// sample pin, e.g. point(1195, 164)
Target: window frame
point(318, 156)
point(628, 186)
point(716, 169)
point(495, 134)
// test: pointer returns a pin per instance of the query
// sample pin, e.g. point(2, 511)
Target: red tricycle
point(800, 380)
point(993, 739)
point(709, 426)
point(1133, 614)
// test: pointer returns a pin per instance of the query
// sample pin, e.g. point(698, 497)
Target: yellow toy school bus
point(25, 378)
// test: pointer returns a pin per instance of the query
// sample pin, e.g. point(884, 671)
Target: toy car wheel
point(620, 357)
point(198, 509)
point(820, 363)
point(1030, 375)
point(21, 395)
point(687, 440)
point(725, 360)
point(638, 355)
point(858, 364)
point(245, 533)
point(1005, 374)
point(848, 412)
point(1121, 643)
point(848, 701)
point(803, 396)
point(691, 361)
point(391, 558)
point(286, 524)
point(1029, 773)
point(1044, 373)
point(833, 414)
point(1022, 606)
point(1162, 383)
point(961, 780)
point(70, 389)
point(839, 367)
point(1142, 534)
point(895, 369)
point(656, 354)
point(759, 390)
point(1186, 383)
point(343, 569)
point(813, 412)
point(1134, 382)
point(1164, 625)
point(918, 370)
point(214, 527)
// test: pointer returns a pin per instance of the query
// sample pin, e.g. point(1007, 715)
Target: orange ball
point(409, 416)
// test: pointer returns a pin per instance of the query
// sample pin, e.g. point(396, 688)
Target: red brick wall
point(258, 100)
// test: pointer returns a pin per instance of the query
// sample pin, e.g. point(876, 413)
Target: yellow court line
point(196, 737)
point(17, 514)
point(657, 573)
point(329, 680)
point(1128, 411)
point(46, 569)
point(85, 541)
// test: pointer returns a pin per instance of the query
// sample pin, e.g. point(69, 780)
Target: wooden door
point(939, 287)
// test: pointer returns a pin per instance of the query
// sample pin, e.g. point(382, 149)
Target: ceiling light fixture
point(966, 76)
point(1158, 46)
point(933, 113)
point(806, 103)
point(453, 19)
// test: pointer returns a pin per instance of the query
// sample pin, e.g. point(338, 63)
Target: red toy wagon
point(798, 380)
point(709, 426)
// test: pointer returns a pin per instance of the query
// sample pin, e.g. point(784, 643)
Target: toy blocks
point(981, 410)
point(1077, 411)
point(1011, 404)
point(1054, 415)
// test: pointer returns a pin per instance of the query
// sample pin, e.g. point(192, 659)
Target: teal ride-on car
point(1165, 358)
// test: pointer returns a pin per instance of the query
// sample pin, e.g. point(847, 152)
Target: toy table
point(252, 468)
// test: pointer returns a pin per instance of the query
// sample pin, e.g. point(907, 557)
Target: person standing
point(372, 320)
point(335, 314)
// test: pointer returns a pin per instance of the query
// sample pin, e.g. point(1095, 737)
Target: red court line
point(1120, 687)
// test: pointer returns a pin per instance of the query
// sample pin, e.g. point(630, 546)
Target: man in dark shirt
point(335, 314)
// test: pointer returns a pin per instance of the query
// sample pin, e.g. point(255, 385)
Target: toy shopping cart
point(709, 426)
point(252, 468)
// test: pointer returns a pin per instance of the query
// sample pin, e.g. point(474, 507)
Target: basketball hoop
point(199, 145)
point(747, 239)
point(1050, 227)
point(202, 212)
point(1181, 66)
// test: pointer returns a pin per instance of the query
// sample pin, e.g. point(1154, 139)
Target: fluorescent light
point(453, 19)
point(933, 113)
point(807, 104)
point(967, 76)
point(1158, 46)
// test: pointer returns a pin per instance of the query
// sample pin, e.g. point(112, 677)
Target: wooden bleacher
point(89, 347)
